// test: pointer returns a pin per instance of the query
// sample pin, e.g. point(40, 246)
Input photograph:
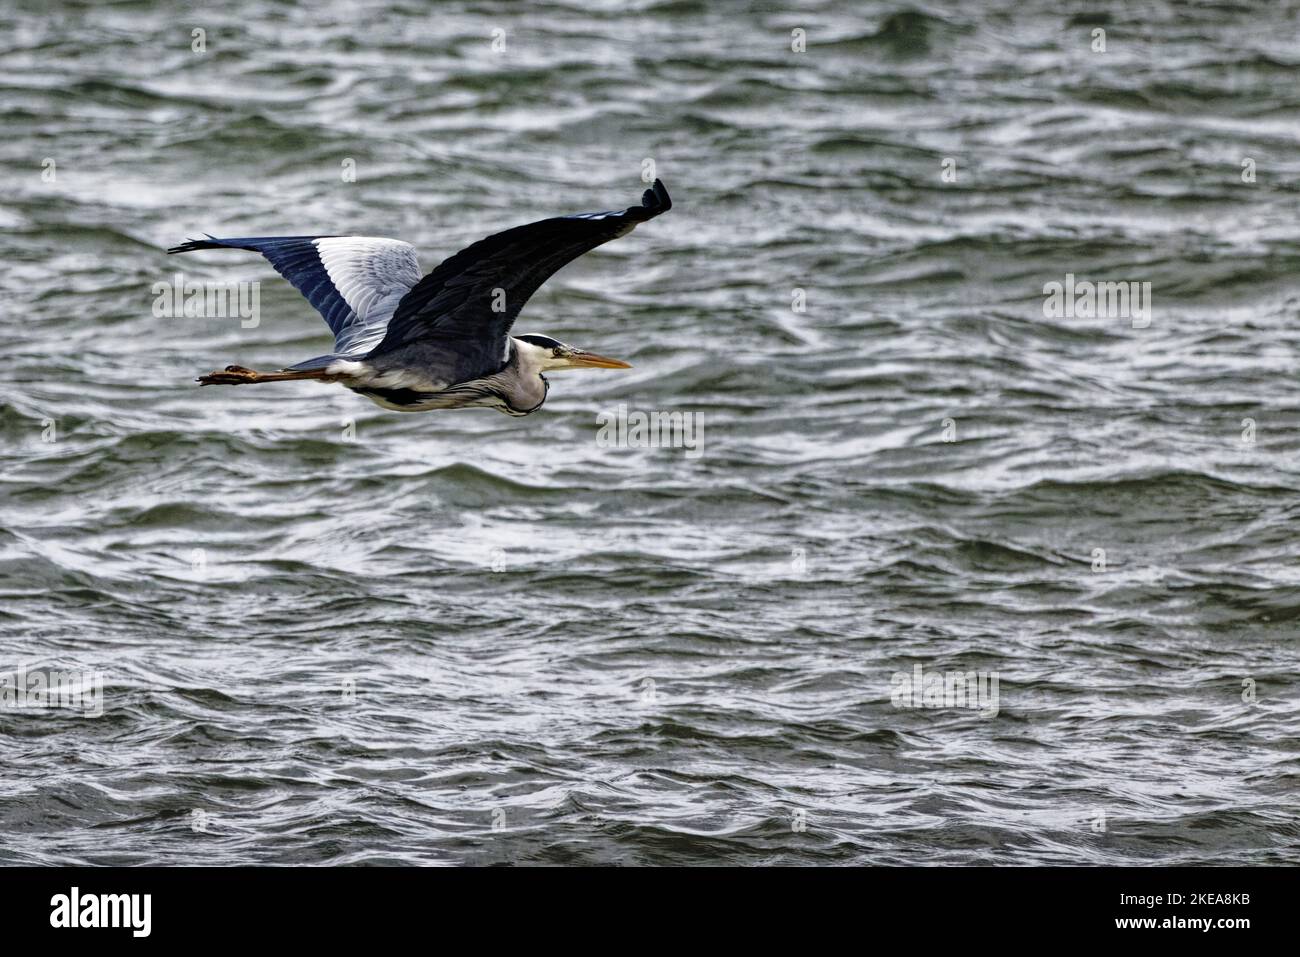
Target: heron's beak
point(589, 360)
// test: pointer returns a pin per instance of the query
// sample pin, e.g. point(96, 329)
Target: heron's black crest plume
point(546, 342)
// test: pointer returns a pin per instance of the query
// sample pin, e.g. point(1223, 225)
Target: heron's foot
point(231, 375)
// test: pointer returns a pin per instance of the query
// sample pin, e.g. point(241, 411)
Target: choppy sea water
point(332, 634)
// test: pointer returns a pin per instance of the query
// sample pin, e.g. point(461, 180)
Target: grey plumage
point(441, 341)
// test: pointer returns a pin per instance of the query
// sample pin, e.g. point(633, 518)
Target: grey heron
point(443, 341)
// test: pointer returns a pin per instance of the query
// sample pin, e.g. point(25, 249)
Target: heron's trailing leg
point(238, 375)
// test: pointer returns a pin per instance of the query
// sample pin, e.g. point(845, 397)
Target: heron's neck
point(531, 360)
point(523, 373)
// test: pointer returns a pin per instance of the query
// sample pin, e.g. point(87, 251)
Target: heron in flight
point(441, 342)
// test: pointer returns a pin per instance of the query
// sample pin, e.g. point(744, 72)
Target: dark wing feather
point(454, 303)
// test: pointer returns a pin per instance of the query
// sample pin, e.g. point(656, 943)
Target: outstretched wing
point(472, 298)
point(355, 282)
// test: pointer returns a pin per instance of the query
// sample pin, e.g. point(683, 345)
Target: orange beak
point(589, 360)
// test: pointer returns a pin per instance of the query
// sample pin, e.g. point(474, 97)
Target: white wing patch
point(372, 274)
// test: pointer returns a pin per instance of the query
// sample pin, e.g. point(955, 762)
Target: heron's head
point(551, 355)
